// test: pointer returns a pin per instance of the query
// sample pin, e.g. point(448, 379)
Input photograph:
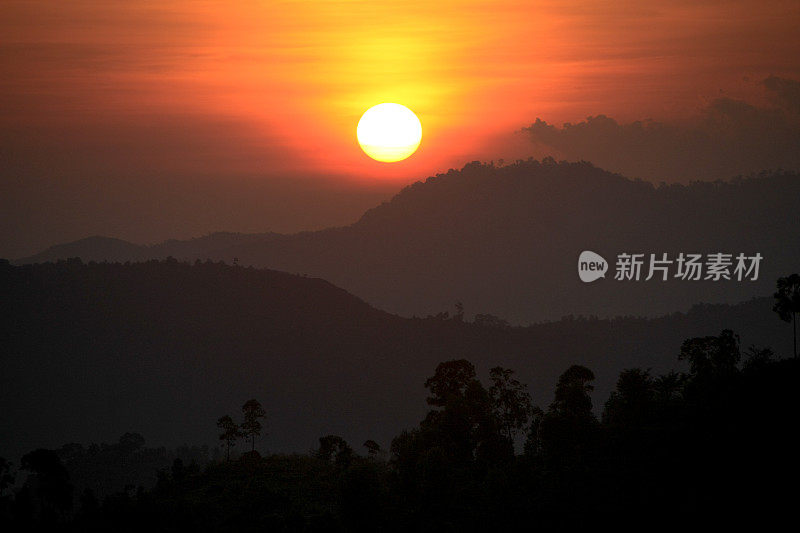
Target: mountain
point(89, 352)
point(506, 240)
point(99, 248)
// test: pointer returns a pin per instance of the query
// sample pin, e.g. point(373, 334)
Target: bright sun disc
point(389, 132)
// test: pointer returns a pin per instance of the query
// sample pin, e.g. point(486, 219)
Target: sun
point(389, 132)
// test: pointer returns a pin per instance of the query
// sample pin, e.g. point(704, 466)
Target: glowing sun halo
point(389, 132)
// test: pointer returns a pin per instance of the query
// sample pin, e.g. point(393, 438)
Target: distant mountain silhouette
point(98, 248)
point(92, 351)
point(505, 240)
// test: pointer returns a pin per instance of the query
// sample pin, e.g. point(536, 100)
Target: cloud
point(729, 137)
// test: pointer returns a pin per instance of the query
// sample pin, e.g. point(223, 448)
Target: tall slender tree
point(251, 427)
point(787, 302)
point(230, 433)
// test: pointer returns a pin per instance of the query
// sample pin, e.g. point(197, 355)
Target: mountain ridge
point(505, 239)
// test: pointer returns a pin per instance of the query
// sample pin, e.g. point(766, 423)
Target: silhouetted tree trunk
point(787, 303)
point(230, 432)
point(251, 427)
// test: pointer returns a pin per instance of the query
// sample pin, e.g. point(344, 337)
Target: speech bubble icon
point(591, 266)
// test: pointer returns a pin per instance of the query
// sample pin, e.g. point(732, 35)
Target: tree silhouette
point(632, 401)
point(50, 485)
point(712, 356)
point(466, 417)
point(757, 357)
point(251, 427)
point(787, 303)
point(661, 437)
point(511, 402)
point(668, 387)
point(459, 314)
point(373, 448)
point(230, 433)
point(6, 477)
point(334, 448)
point(567, 426)
point(572, 398)
point(130, 442)
point(451, 379)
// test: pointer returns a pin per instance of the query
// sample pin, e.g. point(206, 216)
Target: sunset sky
point(148, 120)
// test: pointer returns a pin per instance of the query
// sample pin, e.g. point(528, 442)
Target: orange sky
point(299, 74)
point(261, 88)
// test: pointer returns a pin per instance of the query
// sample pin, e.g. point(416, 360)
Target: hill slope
point(89, 352)
point(99, 248)
point(505, 240)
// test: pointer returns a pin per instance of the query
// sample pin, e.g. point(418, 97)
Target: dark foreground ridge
point(711, 447)
point(92, 351)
